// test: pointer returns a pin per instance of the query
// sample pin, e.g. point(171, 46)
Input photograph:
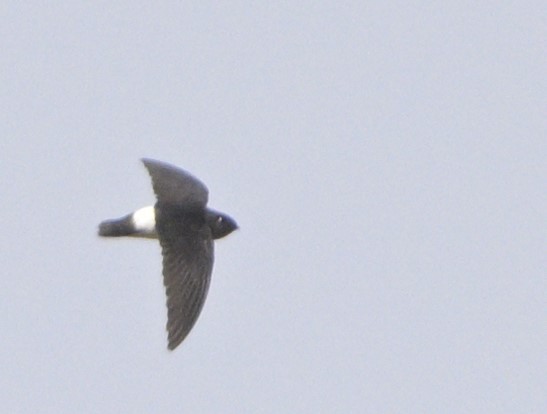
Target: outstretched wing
point(173, 185)
point(187, 249)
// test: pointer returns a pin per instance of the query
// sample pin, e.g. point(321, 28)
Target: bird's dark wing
point(173, 185)
point(187, 249)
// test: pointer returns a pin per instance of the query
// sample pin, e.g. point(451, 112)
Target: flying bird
point(186, 229)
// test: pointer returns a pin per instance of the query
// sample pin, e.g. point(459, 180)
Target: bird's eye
point(219, 220)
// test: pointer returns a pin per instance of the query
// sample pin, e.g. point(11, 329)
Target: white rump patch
point(144, 221)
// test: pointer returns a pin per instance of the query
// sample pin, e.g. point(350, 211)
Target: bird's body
point(186, 229)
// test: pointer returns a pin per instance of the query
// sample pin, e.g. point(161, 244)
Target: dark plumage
point(186, 229)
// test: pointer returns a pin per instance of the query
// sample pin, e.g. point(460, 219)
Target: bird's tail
point(117, 227)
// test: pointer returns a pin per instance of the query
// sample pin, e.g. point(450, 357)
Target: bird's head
point(220, 224)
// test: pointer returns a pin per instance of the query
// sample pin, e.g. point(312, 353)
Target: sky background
point(385, 161)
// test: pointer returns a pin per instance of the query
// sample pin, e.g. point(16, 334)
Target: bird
point(186, 229)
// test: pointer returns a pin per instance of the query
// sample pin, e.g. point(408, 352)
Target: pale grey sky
point(385, 161)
